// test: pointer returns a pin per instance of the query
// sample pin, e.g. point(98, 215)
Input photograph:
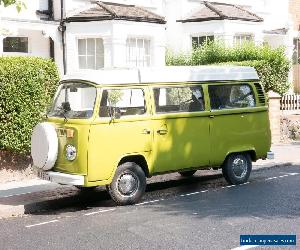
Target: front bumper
point(62, 178)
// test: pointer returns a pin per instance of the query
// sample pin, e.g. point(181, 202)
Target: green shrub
point(269, 77)
point(27, 85)
point(272, 65)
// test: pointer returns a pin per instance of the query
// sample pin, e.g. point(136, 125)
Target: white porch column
point(158, 50)
point(119, 51)
point(108, 52)
point(1, 44)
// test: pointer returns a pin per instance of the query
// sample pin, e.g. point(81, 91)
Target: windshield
point(74, 100)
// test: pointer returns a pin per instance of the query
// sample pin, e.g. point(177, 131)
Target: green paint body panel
point(192, 140)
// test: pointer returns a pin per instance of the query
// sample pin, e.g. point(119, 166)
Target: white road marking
point(271, 178)
point(7, 196)
point(192, 193)
point(282, 176)
point(42, 223)
point(147, 202)
point(293, 174)
point(100, 211)
point(198, 192)
point(244, 247)
point(246, 183)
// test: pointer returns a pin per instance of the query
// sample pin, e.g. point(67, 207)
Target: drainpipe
point(62, 29)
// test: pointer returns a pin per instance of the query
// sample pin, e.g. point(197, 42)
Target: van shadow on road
point(166, 186)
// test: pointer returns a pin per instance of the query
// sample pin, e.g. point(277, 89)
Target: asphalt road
point(176, 213)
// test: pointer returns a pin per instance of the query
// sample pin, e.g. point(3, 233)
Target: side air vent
point(260, 94)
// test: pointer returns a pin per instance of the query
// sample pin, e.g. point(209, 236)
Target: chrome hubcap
point(239, 167)
point(127, 184)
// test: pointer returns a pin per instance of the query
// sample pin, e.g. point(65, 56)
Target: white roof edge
point(166, 74)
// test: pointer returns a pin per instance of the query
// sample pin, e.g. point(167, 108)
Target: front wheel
point(237, 168)
point(128, 184)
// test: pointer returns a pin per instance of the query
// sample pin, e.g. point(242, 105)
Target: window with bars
point(138, 52)
point(90, 53)
point(239, 39)
point(198, 41)
point(15, 44)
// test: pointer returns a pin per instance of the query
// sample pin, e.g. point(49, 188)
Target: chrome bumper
point(62, 178)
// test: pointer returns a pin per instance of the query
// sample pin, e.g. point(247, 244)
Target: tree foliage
point(271, 64)
point(18, 3)
point(27, 85)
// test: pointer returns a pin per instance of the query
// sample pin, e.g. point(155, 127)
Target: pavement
point(31, 196)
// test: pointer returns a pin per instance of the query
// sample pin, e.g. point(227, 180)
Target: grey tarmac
point(197, 213)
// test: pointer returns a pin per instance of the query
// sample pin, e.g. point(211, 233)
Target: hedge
point(271, 64)
point(27, 85)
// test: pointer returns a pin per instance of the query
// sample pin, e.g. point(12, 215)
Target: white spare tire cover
point(44, 146)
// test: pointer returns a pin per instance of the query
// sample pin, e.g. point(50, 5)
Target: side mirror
point(66, 106)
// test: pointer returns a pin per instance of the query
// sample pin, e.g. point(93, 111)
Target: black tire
point(128, 184)
point(187, 173)
point(237, 168)
point(86, 189)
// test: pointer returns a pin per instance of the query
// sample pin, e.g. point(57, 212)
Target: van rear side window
point(231, 96)
point(178, 99)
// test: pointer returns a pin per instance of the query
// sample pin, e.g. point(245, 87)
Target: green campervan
point(117, 127)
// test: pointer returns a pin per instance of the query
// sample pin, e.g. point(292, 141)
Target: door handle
point(211, 116)
point(162, 131)
point(146, 132)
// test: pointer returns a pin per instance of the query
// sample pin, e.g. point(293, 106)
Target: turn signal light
point(70, 133)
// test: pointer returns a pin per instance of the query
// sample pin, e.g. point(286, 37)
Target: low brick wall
point(274, 116)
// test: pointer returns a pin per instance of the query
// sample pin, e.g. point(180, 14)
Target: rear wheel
point(128, 184)
point(237, 168)
point(187, 173)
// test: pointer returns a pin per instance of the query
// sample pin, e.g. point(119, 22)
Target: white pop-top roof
point(166, 74)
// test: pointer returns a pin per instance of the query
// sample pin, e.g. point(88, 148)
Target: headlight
point(71, 153)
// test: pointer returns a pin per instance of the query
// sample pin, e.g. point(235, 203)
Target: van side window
point(178, 99)
point(231, 96)
point(124, 101)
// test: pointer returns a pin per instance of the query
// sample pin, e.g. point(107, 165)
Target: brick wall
point(294, 9)
point(274, 116)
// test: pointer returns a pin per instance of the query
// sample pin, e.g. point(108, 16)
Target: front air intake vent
point(260, 94)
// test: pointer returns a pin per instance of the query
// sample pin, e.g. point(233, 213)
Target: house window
point(90, 53)
point(198, 41)
point(240, 39)
point(15, 44)
point(138, 52)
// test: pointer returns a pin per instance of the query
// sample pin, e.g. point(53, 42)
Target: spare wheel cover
point(44, 145)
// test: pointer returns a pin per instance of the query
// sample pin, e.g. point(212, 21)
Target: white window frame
point(136, 60)
point(95, 52)
point(241, 38)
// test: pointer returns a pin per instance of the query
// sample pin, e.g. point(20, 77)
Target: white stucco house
point(83, 34)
